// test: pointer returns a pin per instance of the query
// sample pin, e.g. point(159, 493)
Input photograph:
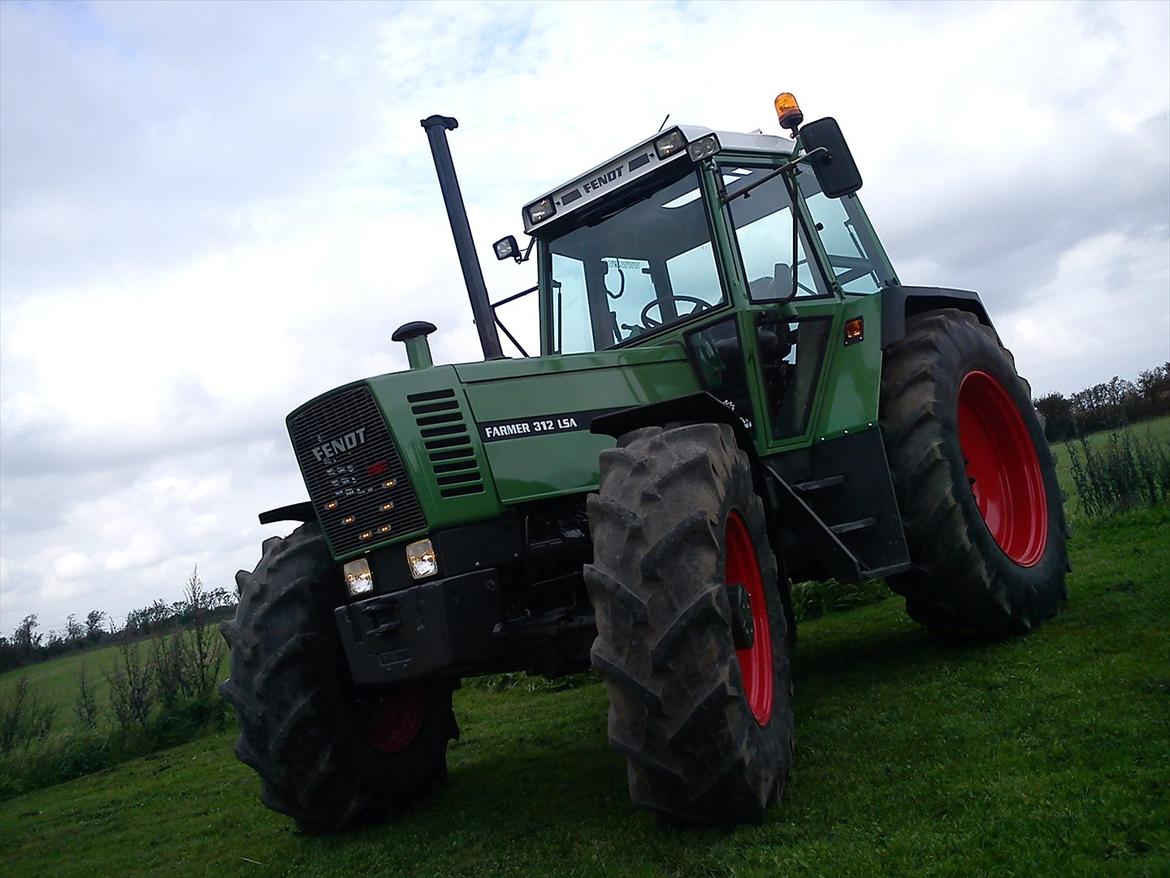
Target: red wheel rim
point(755, 663)
point(1002, 468)
point(391, 721)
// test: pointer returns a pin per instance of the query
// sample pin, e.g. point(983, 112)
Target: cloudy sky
point(211, 212)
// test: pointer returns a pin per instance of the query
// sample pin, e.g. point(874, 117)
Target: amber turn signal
point(854, 330)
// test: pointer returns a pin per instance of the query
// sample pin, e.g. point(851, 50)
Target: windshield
point(635, 269)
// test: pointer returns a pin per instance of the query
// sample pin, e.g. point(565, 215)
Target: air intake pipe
point(481, 309)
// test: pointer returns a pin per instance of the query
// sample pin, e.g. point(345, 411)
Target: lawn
point(1043, 755)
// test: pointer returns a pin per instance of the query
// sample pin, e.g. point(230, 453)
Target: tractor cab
point(743, 248)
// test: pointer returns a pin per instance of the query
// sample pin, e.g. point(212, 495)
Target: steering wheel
point(650, 323)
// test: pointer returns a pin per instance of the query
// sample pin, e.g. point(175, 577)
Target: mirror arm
point(727, 199)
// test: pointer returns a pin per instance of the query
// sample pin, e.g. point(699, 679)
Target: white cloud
point(1105, 312)
point(209, 214)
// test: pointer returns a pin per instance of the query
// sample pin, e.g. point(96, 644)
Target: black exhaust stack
point(437, 128)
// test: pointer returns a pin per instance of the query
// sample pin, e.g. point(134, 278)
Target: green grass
point(1157, 429)
point(55, 681)
point(1043, 755)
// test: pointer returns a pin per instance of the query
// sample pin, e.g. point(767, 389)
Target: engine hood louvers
point(443, 429)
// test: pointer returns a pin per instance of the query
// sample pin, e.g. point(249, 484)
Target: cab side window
point(763, 227)
point(857, 265)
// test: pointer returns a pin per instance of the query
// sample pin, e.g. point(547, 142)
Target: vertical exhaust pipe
point(481, 309)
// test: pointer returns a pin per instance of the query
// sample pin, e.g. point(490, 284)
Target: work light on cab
point(506, 248)
point(788, 111)
point(541, 210)
point(669, 144)
point(704, 147)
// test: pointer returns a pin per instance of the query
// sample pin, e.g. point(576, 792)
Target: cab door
point(791, 306)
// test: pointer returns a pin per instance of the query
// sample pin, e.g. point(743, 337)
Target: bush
point(1126, 472)
point(186, 663)
point(23, 717)
point(132, 687)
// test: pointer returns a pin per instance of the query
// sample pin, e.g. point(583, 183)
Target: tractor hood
point(397, 456)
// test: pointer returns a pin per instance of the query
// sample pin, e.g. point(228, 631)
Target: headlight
point(358, 578)
point(420, 558)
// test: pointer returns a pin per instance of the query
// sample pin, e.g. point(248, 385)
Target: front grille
point(449, 448)
point(355, 477)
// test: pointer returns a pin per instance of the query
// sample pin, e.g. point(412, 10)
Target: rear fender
point(900, 303)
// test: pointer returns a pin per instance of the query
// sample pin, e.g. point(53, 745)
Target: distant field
point(55, 681)
point(1044, 755)
point(1156, 428)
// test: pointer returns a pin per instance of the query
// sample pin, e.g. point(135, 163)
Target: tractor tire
point(975, 480)
point(700, 707)
point(329, 756)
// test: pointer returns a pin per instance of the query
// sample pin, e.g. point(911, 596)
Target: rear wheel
point(976, 481)
point(329, 755)
point(691, 636)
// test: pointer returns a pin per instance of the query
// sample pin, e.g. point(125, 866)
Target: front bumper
point(434, 627)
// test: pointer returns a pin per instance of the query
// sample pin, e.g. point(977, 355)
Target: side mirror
point(834, 168)
point(507, 248)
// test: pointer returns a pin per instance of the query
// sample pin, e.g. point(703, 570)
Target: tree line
point(1108, 405)
point(28, 644)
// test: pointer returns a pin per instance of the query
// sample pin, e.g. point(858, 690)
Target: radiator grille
point(448, 444)
point(354, 474)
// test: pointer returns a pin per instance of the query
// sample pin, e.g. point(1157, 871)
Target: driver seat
point(766, 289)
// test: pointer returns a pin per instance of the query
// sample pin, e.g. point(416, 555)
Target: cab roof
point(642, 160)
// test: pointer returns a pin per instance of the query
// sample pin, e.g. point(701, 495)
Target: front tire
point(682, 575)
point(975, 479)
point(329, 756)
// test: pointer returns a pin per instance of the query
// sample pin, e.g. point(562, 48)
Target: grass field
point(1043, 755)
point(1157, 429)
point(55, 681)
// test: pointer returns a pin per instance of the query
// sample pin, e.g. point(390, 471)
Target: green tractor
point(734, 391)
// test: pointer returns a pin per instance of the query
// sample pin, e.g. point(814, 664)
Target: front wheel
point(329, 755)
point(975, 479)
point(691, 636)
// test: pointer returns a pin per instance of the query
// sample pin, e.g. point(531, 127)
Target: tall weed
point(85, 703)
point(1125, 472)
